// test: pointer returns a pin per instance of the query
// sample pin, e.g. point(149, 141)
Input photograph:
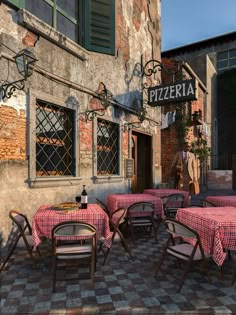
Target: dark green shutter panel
point(18, 3)
point(99, 34)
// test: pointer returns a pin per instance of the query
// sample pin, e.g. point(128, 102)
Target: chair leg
point(106, 255)
point(10, 253)
point(54, 274)
point(132, 231)
point(93, 267)
point(124, 244)
point(105, 251)
point(234, 277)
point(156, 229)
point(186, 271)
point(160, 262)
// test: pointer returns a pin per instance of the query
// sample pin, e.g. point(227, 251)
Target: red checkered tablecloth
point(115, 201)
point(221, 201)
point(166, 192)
point(216, 227)
point(46, 218)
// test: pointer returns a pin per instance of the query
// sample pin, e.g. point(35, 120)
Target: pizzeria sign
point(176, 92)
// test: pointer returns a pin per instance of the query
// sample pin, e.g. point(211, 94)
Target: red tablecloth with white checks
point(221, 201)
point(115, 201)
point(46, 218)
point(216, 227)
point(166, 192)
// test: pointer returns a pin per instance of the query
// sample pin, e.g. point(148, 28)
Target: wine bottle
point(84, 198)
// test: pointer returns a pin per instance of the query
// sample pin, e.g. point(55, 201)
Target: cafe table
point(115, 201)
point(46, 218)
point(221, 201)
point(163, 192)
point(216, 227)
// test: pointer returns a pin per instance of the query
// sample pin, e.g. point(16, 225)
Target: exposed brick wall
point(122, 33)
point(86, 139)
point(170, 143)
point(139, 6)
point(12, 134)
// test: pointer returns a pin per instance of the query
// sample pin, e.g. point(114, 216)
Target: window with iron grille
point(107, 148)
point(55, 143)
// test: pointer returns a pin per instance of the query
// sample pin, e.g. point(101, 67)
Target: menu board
point(129, 168)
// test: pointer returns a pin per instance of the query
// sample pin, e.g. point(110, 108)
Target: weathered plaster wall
point(219, 179)
point(137, 33)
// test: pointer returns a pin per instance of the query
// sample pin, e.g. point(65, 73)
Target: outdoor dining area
point(151, 251)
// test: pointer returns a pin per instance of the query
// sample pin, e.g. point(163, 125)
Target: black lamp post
point(24, 61)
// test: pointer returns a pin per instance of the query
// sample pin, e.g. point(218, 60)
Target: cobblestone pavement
point(123, 286)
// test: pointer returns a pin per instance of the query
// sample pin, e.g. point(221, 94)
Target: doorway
point(142, 155)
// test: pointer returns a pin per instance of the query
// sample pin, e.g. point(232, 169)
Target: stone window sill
point(39, 27)
point(107, 179)
point(43, 182)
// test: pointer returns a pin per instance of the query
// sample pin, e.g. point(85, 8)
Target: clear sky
point(188, 21)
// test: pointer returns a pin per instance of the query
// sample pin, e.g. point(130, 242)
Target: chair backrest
point(74, 231)
point(164, 200)
point(103, 206)
point(143, 208)
point(205, 203)
point(173, 202)
point(177, 228)
point(176, 200)
point(66, 229)
point(21, 221)
point(118, 216)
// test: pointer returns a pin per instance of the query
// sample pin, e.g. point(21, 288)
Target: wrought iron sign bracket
point(7, 89)
point(105, 97)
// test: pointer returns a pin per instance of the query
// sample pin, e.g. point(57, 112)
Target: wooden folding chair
point(103, 206)
point(172, 203)
point(182, 250)
point(81, 252)
point(23, 237)
point(117, 218)
point(140, 216)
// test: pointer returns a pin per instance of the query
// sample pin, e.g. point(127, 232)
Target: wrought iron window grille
point(55, 151)
point(107, 148)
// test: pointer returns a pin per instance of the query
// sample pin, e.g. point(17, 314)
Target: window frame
point(86, 38)
point(227, 60)
point(107, 178)
point(49, 181)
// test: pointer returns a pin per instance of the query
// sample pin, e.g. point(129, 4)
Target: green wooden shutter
point(99, 26)
point(17, 3)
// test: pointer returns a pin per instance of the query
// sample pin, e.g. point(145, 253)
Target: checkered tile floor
point(123, 286)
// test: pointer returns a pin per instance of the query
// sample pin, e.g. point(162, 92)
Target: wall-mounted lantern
point(197, 122)
point(197, 118)
point(25, 61)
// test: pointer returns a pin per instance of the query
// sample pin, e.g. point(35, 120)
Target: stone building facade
point(70, 78)
point(214, 61)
